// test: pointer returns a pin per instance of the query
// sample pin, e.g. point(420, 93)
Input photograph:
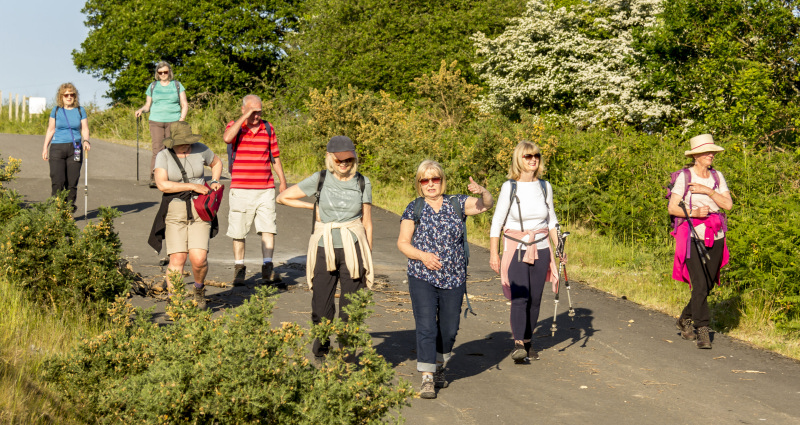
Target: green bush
point(42, 251)
point(235, 369)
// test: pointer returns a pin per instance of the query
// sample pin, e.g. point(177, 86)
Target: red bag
point(207, 205)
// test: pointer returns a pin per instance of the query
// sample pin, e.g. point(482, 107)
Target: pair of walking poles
point(562, 279)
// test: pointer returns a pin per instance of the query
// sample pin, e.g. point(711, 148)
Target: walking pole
point(137, 149)
point(699, 246)
point(86, 186)
point(562, 278)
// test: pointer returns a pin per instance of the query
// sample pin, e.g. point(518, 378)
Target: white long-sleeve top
point(535, 214)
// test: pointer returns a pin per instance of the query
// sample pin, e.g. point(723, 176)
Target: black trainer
point(239, 272)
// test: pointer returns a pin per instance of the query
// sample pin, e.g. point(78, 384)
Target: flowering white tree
point(577, 61)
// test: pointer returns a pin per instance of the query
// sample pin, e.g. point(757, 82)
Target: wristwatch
point(214, 181)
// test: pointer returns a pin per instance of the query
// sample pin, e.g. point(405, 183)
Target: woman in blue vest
point(166, 102)
point(66, 138)
point(432, 236)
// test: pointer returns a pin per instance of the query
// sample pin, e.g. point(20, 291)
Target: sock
point(267, 260)
point(238, 262)
point(199, 285)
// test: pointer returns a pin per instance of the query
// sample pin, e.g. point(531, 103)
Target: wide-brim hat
point(702, 143)
point(180, 134)
point(342, 147)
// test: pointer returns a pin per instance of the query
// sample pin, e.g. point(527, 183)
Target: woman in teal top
point(67, 136)
point(166, 102)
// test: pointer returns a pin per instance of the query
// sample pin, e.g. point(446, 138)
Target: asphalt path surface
point(614, 363)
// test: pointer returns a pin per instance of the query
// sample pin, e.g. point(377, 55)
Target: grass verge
point(28, 335)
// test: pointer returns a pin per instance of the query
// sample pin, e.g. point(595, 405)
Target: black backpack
point(233, 147)
point(361, 184)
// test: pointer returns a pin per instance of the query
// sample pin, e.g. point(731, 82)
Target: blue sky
point(37, 38)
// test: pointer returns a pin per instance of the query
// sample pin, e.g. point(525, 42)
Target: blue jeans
point(437, 313)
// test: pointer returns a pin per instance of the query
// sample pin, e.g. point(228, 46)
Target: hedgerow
point(234, 369)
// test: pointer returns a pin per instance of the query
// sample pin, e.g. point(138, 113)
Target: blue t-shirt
point(74, 117)
point(442, 234)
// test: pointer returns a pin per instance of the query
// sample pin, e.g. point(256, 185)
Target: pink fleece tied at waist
point(683, 249)
point(531, 255)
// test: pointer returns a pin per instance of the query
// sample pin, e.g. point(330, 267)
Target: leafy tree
point(573, 58)
point(213, 45)
point(730, 65)
point(384, 44)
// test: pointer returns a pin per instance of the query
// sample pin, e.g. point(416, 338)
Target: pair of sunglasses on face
point(434, 180)
point(529, 156)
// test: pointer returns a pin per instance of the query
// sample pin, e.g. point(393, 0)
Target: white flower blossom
point(578, 61)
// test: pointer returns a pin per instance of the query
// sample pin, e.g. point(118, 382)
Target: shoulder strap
point(715, 176)
point(269, 129)
point(418, 204)
point(152, 86)
point(320, 182)
point(177, 88)
point(512, 198)
point(460, 213)
point(177, 161)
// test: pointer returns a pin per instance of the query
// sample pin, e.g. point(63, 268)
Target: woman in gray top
point(340, 248)
point(185, 232)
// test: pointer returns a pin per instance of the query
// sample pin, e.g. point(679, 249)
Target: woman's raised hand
point(475, 187)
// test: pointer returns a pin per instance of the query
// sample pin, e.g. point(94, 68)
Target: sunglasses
point(529, 156)
point(68, 95)
point(435, 180)
point(162, 72)
point(346, 161)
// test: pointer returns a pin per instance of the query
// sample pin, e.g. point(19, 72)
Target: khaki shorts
point(248, 206)
point(181, 234)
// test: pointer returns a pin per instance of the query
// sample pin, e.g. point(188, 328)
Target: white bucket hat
point(702, 143)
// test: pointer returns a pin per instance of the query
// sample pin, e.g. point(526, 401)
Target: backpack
point(177, 88)
point(542, 183)
point(453, 200)
point(677, 221)
point(361, 184)
point(233, 147)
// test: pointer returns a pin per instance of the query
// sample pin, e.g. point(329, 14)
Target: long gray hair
point(161, 65)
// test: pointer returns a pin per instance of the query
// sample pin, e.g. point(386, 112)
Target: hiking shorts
point(183, 234)
point(249, 206)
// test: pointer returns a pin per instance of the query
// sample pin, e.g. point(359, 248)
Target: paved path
point(616, 363)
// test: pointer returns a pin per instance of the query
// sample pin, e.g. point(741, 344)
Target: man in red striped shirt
point(252, 196)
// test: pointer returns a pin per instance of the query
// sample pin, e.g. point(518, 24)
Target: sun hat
point(702, 143)
point(181, 134)
point(342, 147)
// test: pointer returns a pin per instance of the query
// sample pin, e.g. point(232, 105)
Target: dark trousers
point(437, 313)
point(702, 283)
point(324, 291)
point(65, 172)
point(527, 284)
point(158, 132)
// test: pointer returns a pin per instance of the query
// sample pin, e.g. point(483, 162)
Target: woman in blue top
point(67, 135)
point(437, 268)
point(166, 102)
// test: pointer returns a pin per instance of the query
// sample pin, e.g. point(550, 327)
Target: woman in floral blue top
point(437, 269)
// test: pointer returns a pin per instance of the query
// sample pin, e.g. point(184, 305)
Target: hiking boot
point(439, 380)
point(532, 354)
point(686, 328)
point(266, 272)
point(428, 388)
point(703, 338)
point(520, 353)
point(200, 297)
point(239, 271)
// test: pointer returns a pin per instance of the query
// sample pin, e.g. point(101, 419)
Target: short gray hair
point(161, 65)
point(250, 97)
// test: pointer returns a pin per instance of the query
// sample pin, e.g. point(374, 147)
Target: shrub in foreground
point(235, 369)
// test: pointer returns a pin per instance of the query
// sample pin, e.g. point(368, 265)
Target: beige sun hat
point(702, 143)
point(181, 134)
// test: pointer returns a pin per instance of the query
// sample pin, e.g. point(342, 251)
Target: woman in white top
point(705, 195)
point(526, 219)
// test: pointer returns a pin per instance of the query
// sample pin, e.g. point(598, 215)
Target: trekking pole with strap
point(562, 278)
point(85, 186)
point(138, 120)
point(698, 244)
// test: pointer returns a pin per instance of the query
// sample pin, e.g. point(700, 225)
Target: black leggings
point(527, 284)
point(702, 283)
point(65, 172)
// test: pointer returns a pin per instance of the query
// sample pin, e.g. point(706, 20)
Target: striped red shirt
point(251, 169)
